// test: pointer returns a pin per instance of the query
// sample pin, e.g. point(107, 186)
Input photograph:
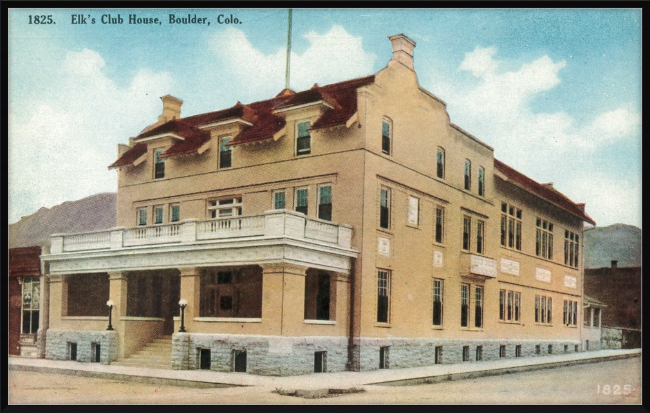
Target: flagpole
point(287, 72)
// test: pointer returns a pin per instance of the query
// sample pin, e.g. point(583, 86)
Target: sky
point(556, 92)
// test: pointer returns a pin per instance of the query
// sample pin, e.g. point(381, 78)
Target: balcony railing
point(275, 223)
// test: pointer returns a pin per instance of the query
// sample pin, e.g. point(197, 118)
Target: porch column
point(190, 291)
point(341, 298)
point(44, 314)
point(591, 316)
point(283, 298)
point(118, 293)
point(600, 318)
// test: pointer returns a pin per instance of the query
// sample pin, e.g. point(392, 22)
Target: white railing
point(230, 227)
point(159, 234)
point(321, 231)
point(272, 224)
point(88, 241)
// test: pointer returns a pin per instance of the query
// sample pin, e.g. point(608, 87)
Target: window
point(576, 348)
point(440, 163)
point(481, 181)
point(465, 353)
point(386, 134)
point(543, 309)
point(468, 174)
point(518, 350)
point(544, 239)
point(464, 305)
point(467, 230)
point(478, 307)
point(204, 359)
point(302, 199)
point(159, 164)
point(596, 317)
point(320, 361)
point(141, 216)
point(384, 208)
point(566, 348)
point(383, 357)
point(502, 350)
point(438, 290)
point(225, 153)
point(479, 353)
point(225, 208)
point(174, 212)
point(570, 313)
point(279, 199)
point(440, 224)
point(438, 355)
point(325, 202)
point(538, 349)
point(383, 296)
point(414, 211)
point(303, 142)
point(239, 361)
point(509, 306)
point(31, 301)
point(480, 236)
point(550, 349)
point(571, 242)
point(158, 214)
point(510, 226)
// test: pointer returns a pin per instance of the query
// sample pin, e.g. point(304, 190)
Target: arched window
point(440, 163)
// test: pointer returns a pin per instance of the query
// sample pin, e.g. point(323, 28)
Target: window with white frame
point(325, 202)
point(225, 152)
point(468, 174)
point(174, 212)
point(301, 200)
point(383, 296)
point(386, 136)
point(509, 306)
point(279, 199)
point(438, 291)
point(571, 243)
point(570, 313)
point(31, 300)
point(544, 239)
point(440, 163)
point(141, 216)
point(481, 181)
point(510, 226)
point(303, 138)
point(543, 309)
point(384, 208)
point(413, 211)
point(159, 164)
point(480, 237)
point(440, 224)
point(225, 208)
point(158, 214)
point(467, 232)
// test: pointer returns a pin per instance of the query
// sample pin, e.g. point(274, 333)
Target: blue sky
point(556, 92)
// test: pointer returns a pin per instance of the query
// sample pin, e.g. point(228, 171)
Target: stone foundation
point(57, 345)
point(265, 355)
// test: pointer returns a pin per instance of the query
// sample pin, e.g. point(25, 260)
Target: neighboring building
point(592, 329)
point(24, 300)
point(350, 226)
point(620, 289)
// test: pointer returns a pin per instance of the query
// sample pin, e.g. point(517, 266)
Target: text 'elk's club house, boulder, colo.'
point(350, 226)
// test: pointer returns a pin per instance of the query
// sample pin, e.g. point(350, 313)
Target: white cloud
point(480, 61)
point(330, 57)
point(71, 135)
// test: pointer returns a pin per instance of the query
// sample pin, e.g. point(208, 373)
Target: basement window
point(205, 359)
point(383, 357)
point(320, 361)
point(239, 361)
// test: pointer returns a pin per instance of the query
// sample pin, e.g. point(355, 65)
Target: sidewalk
point(318, 381)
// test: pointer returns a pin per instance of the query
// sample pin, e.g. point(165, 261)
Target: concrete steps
point(155, 355)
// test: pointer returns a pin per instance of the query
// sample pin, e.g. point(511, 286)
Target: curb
point(498, 372)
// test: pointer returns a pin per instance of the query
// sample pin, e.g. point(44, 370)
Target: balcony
point(223, 241)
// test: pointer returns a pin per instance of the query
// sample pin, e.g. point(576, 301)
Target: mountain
point(92, 213)
point(615, 242)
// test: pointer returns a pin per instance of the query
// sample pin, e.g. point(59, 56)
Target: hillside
point(93, 213)
point(615, 242)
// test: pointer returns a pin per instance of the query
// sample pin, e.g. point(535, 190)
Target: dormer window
point(386, 135)
point(225, 153)
point(159, 164)
point(303, 141)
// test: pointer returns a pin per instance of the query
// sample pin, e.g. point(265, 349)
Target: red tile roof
point(342, 96)
point(542, 191)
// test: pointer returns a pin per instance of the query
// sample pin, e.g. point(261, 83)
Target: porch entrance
point(155, 294)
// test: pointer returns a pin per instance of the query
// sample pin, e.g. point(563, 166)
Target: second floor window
point(383, 296)
point(141, 216)
point(303, 141)
point(544, 239)
point(468, 174)
point(159, 164)
point(174, 212)
point(440, 163)
point(480, 236)
point(510, 226)
point(384, 208)
point(467, 232)
point(225, 208)
point(438, 290)
point(302, 199)
point(158, 214)
point(481, 181)
point(325, 202)
point(279, 200)
point(571, 243)
point(440, 224)
point(225, 153)
point(386, 134)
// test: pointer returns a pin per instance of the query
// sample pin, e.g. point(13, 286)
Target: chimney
point(171, 108)
point(548, 185)
point(581, 206)
point(403, 50)
point(614, 264)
